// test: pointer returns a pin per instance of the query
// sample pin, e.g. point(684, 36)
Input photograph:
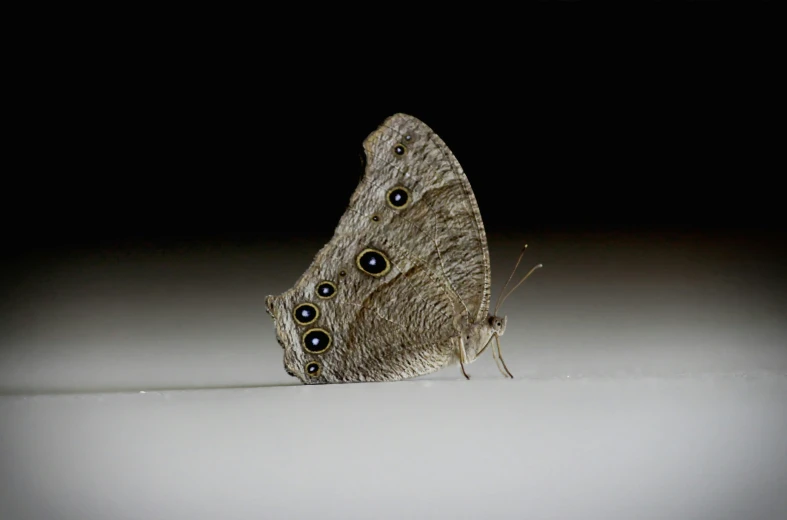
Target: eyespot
point(373, 262)
point(398, 197)
point(399, 149)
point(313, 369)
point(317, 341)
point(306, 313)
point(408, 137)
point(498, 323)
point(326, 290)
point(376, 218)
point(342, 273)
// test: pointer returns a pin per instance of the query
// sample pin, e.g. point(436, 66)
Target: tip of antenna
point(540, 266)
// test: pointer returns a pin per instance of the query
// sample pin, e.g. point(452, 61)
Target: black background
point(180, 144)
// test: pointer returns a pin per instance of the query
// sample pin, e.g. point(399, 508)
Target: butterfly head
point(498, 324)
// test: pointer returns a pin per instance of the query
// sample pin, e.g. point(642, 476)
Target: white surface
point(700, 447)
point(651, 383)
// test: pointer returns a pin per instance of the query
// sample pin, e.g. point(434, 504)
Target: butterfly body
point(402, 289)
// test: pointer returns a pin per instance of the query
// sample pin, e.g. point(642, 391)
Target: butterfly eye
point(399, 149)
point(398, 197)
point(313, 369)
point(326, 290)
point(306, 313)
point(316, 341)
point(373, 262)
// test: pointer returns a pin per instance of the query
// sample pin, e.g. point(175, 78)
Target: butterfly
point(403, 287)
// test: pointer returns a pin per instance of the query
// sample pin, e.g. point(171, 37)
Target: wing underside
point(409, 260)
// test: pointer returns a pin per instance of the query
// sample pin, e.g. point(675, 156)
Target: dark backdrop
point(191, 148)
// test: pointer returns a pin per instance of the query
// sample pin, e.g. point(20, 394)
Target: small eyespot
point(313, 369)
point(408, 137)
point(375, 218)
point(373, 262)
point(306, 313)
point(399, 149)
point(398, 197)
point(326, 290)
point(342, 273)
point(317, 341)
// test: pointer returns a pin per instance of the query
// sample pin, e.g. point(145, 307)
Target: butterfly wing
point(406, 269)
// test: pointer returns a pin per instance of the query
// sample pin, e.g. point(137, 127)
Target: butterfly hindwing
point(408, 262)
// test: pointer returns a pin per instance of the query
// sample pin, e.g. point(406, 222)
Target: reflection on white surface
point(651, 382)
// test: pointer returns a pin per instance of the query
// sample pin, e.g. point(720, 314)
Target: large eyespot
point(398, 197)
point(317, 341)
point(400, 149)
point(306, 313)
point(373, 262)
point(313, 369)
point(326, 290)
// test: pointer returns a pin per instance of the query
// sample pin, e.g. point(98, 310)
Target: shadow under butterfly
point(403, 287)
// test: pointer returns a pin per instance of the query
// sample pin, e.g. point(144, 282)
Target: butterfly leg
point(500, 356)
point(462, 356)
point(497, 358)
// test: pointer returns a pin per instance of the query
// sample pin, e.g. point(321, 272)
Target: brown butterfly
point(403, 287)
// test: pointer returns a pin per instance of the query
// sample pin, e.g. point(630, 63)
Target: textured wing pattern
point(409, 261)
point(442, 218)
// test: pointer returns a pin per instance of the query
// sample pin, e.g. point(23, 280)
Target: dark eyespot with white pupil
point(398, 197)
point(313, 369)
point(317, 341)
point(399, 149)
point(373, 262)
point(326, 290)
point(306, 313)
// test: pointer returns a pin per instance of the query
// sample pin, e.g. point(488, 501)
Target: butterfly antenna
point(497, 352)
point(539, 266)
point(521, 254)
